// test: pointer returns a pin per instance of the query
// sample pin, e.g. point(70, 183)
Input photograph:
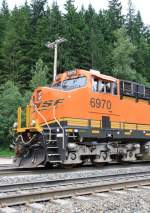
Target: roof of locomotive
point(81, 72)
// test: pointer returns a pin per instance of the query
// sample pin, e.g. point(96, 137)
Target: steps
point(53, 148)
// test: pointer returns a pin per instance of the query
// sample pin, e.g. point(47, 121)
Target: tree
point(76, 33)
point(39, 78)
point(16, 48)
point(130, 17)
point(4, 17)
point(123, 56)
point(115, 15)
point(90, 39)
point(5, 9)
point(37, 11)
point(11, 99)
point(39, 75)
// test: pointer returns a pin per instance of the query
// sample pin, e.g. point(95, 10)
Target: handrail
point(54, 115)
point(19, 117)
point(44, 119)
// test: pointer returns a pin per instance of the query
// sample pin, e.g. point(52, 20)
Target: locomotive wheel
point(98, 164)
point(48, 165)
point(68, 166)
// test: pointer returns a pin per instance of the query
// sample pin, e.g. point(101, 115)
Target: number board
point(101, 103)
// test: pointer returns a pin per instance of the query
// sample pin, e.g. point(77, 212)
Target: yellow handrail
point(19, 117)
point(28, 112)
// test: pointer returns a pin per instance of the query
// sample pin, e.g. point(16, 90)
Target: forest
point(108, 41)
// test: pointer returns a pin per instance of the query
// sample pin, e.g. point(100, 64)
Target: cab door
point(104, 101)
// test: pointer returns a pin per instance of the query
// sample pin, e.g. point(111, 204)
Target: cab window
point(115, 88)
point(104, 86)
point(70, 84)
point(74, 83)
point(95, 85)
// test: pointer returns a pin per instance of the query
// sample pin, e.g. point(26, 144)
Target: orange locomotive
point(84, 115)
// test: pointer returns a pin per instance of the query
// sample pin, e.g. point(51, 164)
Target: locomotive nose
point(47, 97)
point(45, 101)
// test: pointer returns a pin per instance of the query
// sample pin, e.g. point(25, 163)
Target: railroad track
point(9, 170)
point(22, 193)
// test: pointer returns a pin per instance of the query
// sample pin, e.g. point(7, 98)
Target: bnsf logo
point(50, 103)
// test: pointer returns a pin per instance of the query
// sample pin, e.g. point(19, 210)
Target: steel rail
point(19, 171)
point(90, 177)
point(54, 183)
point(10, 170)
point(72, 189)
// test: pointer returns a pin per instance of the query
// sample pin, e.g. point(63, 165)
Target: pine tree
point(130, 18)
point(74, 31)
point(11, 99)
point(39, 75)
point(16, 48)
point(4, 17)
point(5, 9)
point(115, 14)
point(55, 29)
point(123, 56)
point(37, 11)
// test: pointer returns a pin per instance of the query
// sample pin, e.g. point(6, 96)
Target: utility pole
point(54, 45)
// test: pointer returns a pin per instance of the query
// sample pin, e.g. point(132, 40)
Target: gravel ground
point(80, 173)
point(127, 201)
point(6, 161)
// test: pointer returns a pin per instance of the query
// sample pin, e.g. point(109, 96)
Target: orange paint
point(81, 102)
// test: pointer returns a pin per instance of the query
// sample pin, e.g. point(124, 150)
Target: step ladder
point(53, 147)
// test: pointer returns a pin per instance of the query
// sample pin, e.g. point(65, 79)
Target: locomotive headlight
point(33, 123)
point(15, 125)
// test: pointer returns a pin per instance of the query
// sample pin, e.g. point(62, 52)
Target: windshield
point(71, 83)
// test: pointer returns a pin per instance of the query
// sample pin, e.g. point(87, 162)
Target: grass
point(5, 152)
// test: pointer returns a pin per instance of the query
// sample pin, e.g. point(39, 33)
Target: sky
point(142, 5)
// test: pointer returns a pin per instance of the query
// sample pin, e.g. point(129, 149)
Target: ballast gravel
point(127, 201)
point(5, 161)
point(83, 172)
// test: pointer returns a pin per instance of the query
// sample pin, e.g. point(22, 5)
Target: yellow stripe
point(115, 125)
point(95, 123)
point(127, 133)
point(130, 126)
point(77, 122)
point(69, 130)
point(143, 127)
point(95, 131)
